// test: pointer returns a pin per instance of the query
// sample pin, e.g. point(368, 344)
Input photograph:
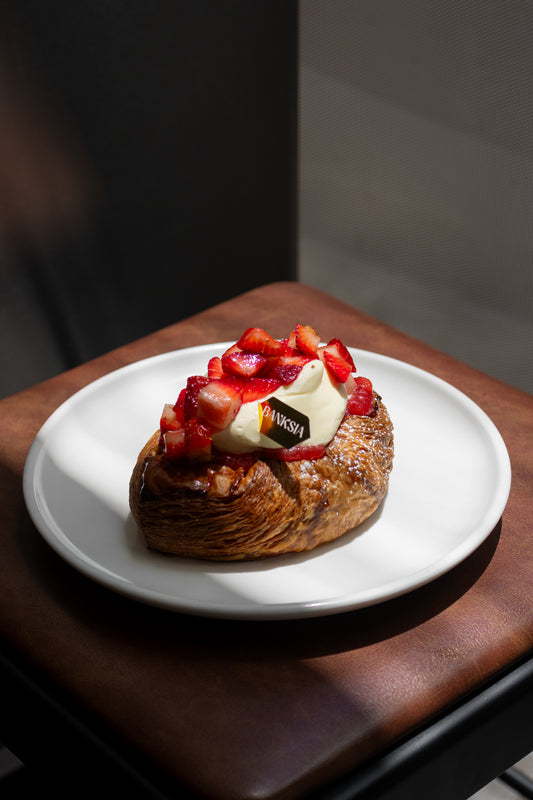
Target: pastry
point(279, 448)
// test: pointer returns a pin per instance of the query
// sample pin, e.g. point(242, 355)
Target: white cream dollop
point(313, 393)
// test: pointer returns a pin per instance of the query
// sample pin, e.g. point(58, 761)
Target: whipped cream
point(313, 393)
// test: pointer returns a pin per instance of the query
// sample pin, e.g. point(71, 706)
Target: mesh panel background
point(416, 170)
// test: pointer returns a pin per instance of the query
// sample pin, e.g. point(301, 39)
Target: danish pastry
point(277, 449)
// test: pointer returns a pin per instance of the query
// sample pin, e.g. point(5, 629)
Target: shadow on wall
point(147, 169)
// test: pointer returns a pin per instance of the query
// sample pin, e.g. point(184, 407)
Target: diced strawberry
point(361, 400)
point(190, 403)
point(287, 373)
point(300, 452)
point(343, 352)
point(218, 404)
point(286, 368)
point(364, 383)
point(233, 349)
point(307, 340)
point(287, 349)
point(256, 388)
point(169, 419)
point(251, 389)
point(291, 341)
point(256, 340)
point(337, 367)
point(179, 406)
point(174, 443)
point(214, 368)
point(198, 438)
point(337, 359)
point(235, 382)
point(297, 360)
point(243, 364)
point(350, 384)
point(360, 404)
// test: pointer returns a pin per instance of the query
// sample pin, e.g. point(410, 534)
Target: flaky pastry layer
point(274, 507)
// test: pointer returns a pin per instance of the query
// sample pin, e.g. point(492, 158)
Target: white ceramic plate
point(448, 488)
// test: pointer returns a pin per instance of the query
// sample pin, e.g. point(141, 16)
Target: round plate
point(448, 488)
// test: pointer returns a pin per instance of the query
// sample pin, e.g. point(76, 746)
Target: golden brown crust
point(222, 514)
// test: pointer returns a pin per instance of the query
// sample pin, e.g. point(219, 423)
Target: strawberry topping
point(286, 368)
point(190, 402)
point(215, 369)
point(307, 340)
point(256, 388)
point(179, 406)
point(198, 438)
point(256, 340)
point(287, 373)
point(173, 443)
point(169, 419)
point(243, 364)
point(249, 371)
point(337, 359)
point(361, 399)
point(292, 344)
point(218, 404)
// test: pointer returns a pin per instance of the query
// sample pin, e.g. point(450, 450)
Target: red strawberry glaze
point(246, 460)
point(309, 452)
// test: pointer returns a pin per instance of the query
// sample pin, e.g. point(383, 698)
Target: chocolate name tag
point(282, 423)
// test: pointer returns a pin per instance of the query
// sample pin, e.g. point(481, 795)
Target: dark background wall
point(150, 155)
point(416, 170)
